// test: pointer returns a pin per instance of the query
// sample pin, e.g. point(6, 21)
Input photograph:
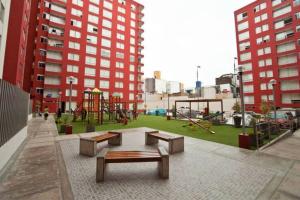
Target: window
point(131, 87)
point(118, 84)
point(244, 36)
point(76, 12)
point(282, 11)
point(120, 36)
point(243, 26)
point(105, 53)
point(108, 5)
point(284, 35)
point(121, 10)
point(107, 14)
point(92, 29)
point(76, 23)
point(72, 68)
point(249, 99)
point(286, 47)
point(119, 65)
point(89, 71)
point(90, 60)
point(74, 45)
point(106, 33)
point(244, 46)
point(260, 7)
point(288, 72)
point(78, 2)
point(289, 85)
point(106, 23)
point(106, 43)
point(91, 39)
point(248, 88)
point(261, 18)
point(104, 73)
point(266, 62)
point(286, 60)
point(120, 45)
point(75, 34)
point(91, 50)
point(131, 77)
point(105, 63)
point(242, 16)
point(93, 9)
point(245, 56)
point(120, 27)
point(264, 51)
point(92, 18)
point(120, 55)
point(74, 93)
point(74, 57)
point(119, 75)
point(121, 18)
point(89, 82)
point(104, 84)
point(247, 67)
point(247, 78)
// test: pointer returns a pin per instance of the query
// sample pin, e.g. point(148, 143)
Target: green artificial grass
point(224, 134)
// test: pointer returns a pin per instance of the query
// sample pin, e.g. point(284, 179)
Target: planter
point(237, 122)
point(244, 141)
point(69, 129)
point(168, 117)
point(62, 128)
point(253, 140)
point(90, 128)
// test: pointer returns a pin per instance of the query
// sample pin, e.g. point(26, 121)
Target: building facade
point(14, 63)
point(87, 44)
point(4, 17)
point(267, 34)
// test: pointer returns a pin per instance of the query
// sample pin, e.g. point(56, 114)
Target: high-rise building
point(4, 17)
point(14, 62)
point(268, 39)
point(96, 43)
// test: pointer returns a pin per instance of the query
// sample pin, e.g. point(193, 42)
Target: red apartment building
point(268, 43)
point(15, 53)
point(97, 42)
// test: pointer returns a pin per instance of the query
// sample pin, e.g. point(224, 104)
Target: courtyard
point(50, 167)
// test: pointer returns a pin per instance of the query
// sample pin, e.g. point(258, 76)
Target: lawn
point(224, 134)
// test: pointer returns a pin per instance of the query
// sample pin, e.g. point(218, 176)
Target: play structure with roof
point(95, 106)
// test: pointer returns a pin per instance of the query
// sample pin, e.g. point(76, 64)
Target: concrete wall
point(9, 148)
point(159, 101)
point(3, 33)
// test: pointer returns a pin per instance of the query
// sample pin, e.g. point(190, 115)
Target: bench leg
point(87, 147)
point(149, 140)
point(116, 140)
point(163, 167)
point(176, 145)
point(100, 169)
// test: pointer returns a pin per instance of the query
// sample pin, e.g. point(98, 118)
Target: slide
point(195, 123)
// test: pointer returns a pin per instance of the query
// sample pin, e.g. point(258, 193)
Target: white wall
point(154, 101)
point(9, 148)
point(3, 33)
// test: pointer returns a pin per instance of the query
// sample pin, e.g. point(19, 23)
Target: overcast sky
point(181, 34)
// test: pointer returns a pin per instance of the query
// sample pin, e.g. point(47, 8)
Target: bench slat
point(162, 136)
point(131, 156)
point(103, 137)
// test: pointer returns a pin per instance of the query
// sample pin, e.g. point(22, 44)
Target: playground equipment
point(197, 123)
point(94, 106)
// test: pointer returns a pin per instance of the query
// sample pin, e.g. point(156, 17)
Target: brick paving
point(36, 172)
point(49, 166)
point(204, 171)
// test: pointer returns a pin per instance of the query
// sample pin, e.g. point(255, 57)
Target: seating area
point(109, 156)
point(88, 146)
point(176, 144)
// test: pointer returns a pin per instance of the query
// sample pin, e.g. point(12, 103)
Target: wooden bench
point(161, 156)
point(176, 144)
point(88, 146)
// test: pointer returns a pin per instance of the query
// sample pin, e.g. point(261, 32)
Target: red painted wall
point(14, 63)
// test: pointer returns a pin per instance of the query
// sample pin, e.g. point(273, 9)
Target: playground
point(224, 134)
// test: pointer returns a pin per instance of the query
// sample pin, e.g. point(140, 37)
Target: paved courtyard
point(205, 170)
point(49, 166)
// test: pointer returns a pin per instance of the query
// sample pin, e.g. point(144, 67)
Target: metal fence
point(14, 105)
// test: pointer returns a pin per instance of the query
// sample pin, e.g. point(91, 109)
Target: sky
point(183, 34)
